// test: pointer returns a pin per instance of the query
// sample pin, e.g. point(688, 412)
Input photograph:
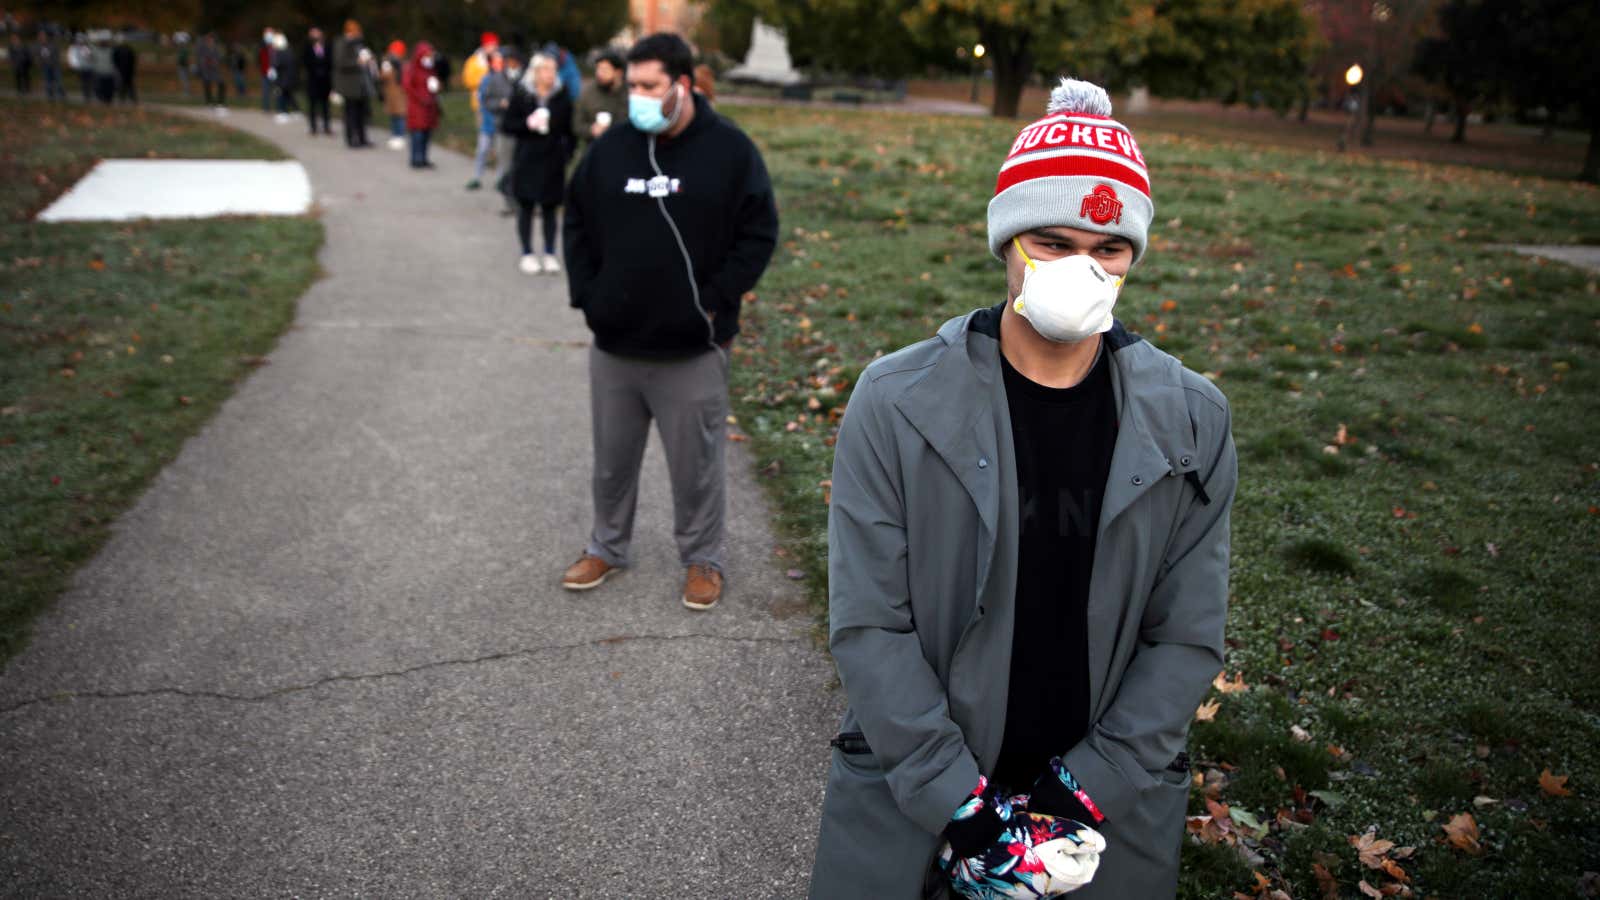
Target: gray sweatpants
point(688, 399)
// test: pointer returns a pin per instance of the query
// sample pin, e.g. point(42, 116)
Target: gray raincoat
point(922, 544)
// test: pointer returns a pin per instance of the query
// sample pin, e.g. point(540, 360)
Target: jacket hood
point(423, 48)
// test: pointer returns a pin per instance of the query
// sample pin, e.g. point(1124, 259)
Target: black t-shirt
point(1064, 438)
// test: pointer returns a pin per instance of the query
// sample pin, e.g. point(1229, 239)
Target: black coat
point(539, 164)
point(124, 59)
point(318, 72)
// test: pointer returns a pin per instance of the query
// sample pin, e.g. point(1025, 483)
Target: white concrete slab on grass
point(122, 189)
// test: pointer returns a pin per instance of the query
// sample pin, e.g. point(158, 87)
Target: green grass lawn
point(1418, 519)
point(119, 340)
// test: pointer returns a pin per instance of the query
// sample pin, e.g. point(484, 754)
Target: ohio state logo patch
point(1101, 206)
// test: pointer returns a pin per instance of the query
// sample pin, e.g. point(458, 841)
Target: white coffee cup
point(539, 120)
point(603, 119)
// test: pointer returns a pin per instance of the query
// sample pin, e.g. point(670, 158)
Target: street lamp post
point(977, 68)
point(1352, 77)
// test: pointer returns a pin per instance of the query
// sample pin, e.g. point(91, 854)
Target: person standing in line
point(473, 72)
point(567, 67)
point(317, 63)
point(21, 63)
point(394, 93)
point(539, 116)
point(264, 66)
point(1028, 557)
point(491, 97)
point(238, 62)
point(606, 104)
point(105, 72)
point(183, 64)
point(49, 57)
point(705, 82)
point(285, 75)
point(126, 61)
point(422, 102)
point(442, 70)
point(80, 59)
point(505, 144)
point(351, 78)
point(670, 220)
point(208, 66)
point(476, 66)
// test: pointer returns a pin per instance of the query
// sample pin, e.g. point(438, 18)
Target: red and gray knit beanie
point(1076, 167)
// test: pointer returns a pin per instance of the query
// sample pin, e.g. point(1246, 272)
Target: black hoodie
point(625, 268)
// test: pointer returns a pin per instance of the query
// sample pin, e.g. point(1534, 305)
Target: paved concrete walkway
point(1580, 255)
point(326, 653)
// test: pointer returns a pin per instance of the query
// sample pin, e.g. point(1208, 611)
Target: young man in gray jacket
point(1028, 564)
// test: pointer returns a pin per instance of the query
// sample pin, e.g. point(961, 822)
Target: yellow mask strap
point(1024, 254)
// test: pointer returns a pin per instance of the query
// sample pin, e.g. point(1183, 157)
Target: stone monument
point(768, 60)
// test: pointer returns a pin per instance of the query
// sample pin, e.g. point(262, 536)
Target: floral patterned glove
point(1031, 855)
point(1057, 793)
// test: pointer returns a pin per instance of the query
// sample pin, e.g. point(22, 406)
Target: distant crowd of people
point(105, 69)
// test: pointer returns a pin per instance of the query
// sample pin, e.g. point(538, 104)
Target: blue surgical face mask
point(645, 113)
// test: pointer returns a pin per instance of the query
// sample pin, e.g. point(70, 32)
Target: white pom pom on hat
point(1074, 96)
point(1076, 167)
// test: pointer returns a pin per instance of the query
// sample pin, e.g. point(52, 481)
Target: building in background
point(679, 16)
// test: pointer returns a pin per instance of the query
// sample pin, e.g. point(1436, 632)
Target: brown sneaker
point(702, 587)
point(586, 573)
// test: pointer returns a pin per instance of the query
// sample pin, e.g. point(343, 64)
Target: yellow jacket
point(477, 66)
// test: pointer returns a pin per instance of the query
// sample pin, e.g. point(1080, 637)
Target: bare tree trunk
point(1370, 114)
point(1459, 136)
point(1591, 160)
point(1428, 116)
point(1013, 62)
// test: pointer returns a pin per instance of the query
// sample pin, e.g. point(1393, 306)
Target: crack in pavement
point(376, 676)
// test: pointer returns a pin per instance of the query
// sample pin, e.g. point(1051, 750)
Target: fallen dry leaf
point(1369, 890)
point(1325, 882)
point(1553, 785)
point(1462, 832)
point(1207, 711)
point(1371, 849)
point(1224, 686)
point(1393, 870)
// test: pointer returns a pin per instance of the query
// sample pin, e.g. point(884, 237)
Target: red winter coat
point(422, 105)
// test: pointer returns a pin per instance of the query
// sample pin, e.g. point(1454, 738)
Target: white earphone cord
point(688, 263)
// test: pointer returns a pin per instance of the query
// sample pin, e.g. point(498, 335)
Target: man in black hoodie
point(669, 221)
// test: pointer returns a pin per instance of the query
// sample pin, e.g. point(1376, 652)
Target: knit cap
point(1076, 167)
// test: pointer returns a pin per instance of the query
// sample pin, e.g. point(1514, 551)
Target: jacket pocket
point(851, 743)
point(650, 302)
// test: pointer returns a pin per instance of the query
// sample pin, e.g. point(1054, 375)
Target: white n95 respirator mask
point(1068, 299)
